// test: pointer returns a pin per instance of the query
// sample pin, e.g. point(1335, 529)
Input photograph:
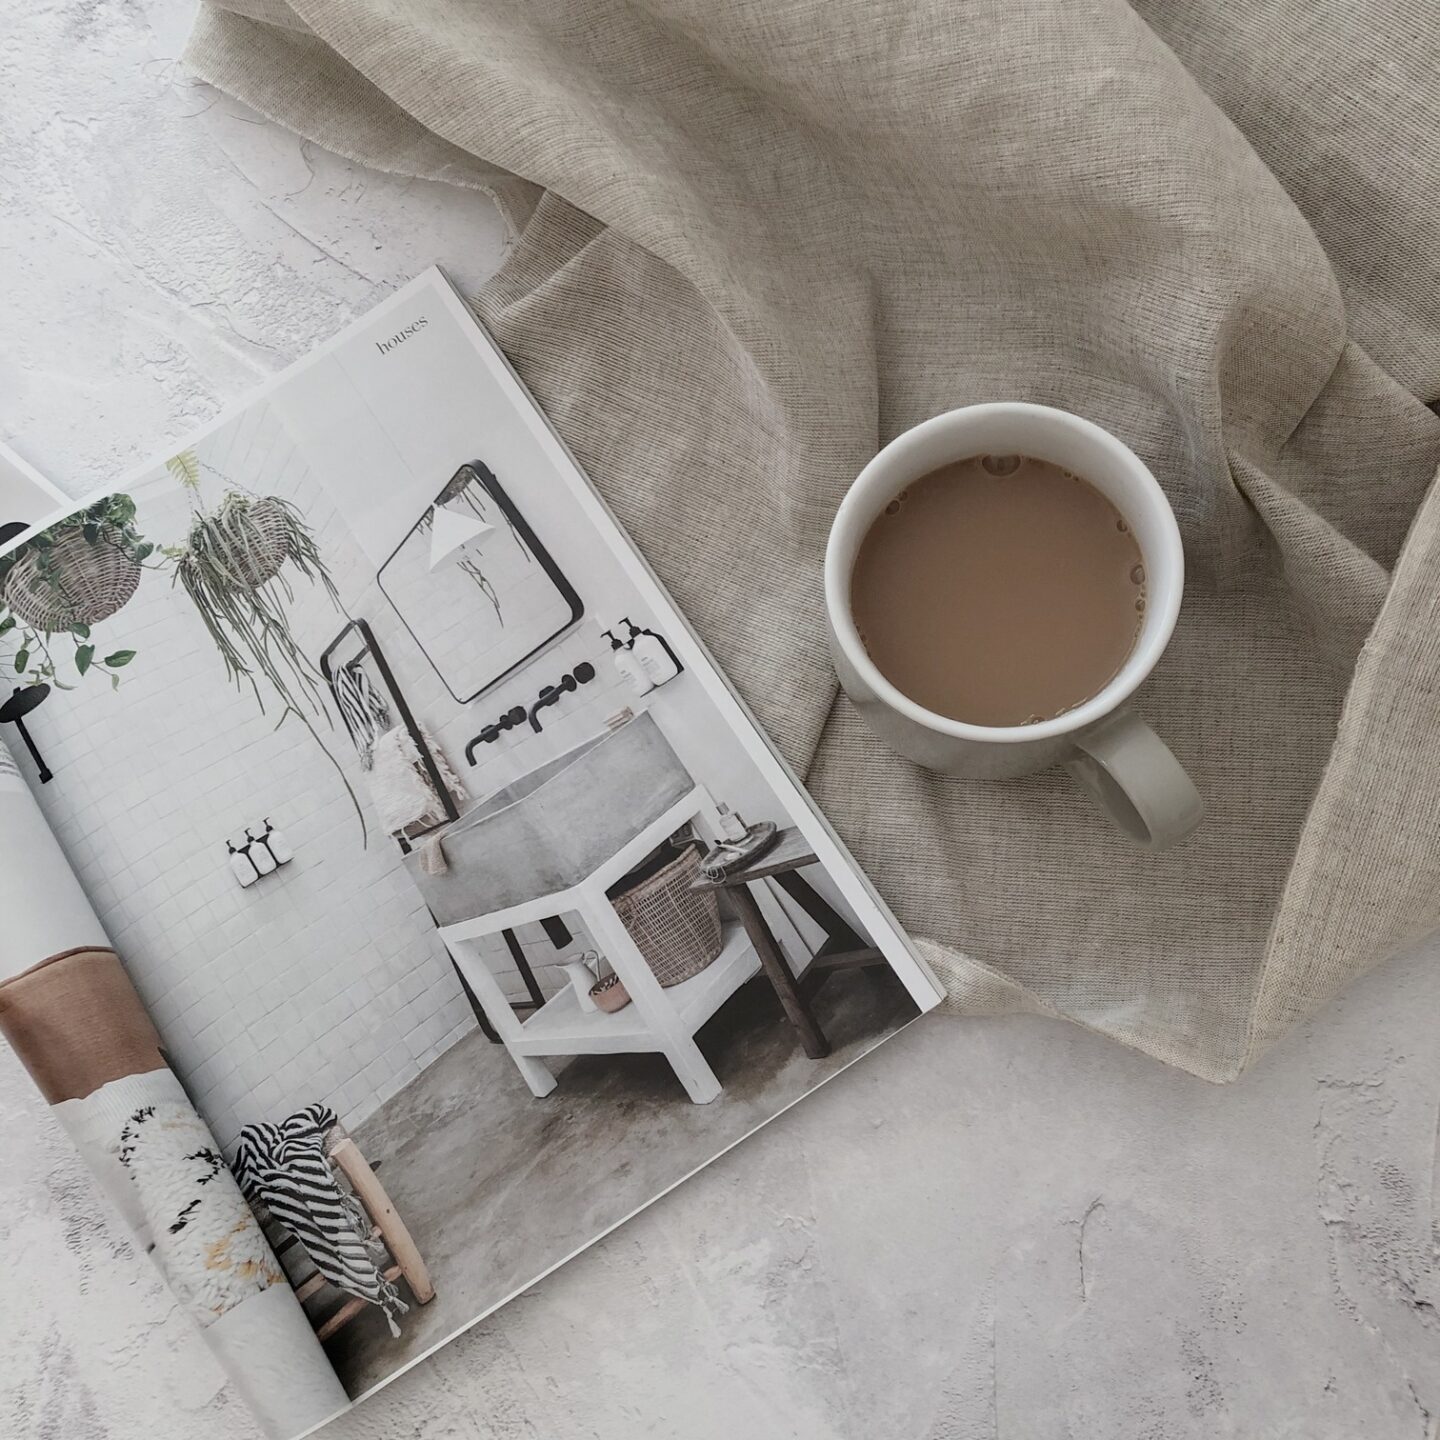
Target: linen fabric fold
point(752, 243)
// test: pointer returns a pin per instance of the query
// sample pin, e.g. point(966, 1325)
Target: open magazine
point(396, 898)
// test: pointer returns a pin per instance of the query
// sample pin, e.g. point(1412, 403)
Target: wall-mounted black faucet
point(508, 721)
point(582, 674)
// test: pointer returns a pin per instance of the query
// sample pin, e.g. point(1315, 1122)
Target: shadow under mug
point(1115, 757)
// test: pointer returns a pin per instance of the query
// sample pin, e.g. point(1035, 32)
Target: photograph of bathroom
point(468, 857)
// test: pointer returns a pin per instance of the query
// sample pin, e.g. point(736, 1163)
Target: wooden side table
point(843, 949)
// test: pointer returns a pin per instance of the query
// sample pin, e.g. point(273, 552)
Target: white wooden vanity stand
point(657, 1019)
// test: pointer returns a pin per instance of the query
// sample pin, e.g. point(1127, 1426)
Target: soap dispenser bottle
point(629, 666)
point(260, 857)
point(241, 865)
point(656, 657)
point(276, 843)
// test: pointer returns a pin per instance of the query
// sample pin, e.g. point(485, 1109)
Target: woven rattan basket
point(677, 929)
point(252, 540)
point(89, 583)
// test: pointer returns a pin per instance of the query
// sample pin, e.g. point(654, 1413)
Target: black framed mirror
point(476, 587)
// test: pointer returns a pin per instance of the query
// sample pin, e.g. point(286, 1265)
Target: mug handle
point(1126, 768)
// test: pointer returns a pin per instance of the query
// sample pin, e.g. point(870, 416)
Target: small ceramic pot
point(610, 994)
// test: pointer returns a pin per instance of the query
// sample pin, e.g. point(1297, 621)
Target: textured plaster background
point(990, 1229)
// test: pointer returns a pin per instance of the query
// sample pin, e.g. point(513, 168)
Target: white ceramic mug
point(1113, 754)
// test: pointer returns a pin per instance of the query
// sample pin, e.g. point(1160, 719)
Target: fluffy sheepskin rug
point(208, 1243)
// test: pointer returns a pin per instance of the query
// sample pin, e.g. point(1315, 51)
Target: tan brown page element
point(77, 1023)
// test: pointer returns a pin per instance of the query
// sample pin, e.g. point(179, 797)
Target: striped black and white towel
point(284, 1167)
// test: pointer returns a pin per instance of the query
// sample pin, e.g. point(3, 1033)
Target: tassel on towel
point(433, 859)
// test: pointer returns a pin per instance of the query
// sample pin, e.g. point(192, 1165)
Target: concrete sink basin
point(551, 828)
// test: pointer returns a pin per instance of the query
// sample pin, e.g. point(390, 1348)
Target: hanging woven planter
point(229, 558)
point(87, 582)
point(249, 538)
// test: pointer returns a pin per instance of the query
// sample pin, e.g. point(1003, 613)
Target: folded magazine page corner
point(397, 897)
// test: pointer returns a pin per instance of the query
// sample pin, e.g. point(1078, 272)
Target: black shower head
point(22, 702)
point(14, 711)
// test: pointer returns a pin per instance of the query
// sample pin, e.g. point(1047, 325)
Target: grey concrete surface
point(991, 1229)
point(496, 1186)
point(985, 1230)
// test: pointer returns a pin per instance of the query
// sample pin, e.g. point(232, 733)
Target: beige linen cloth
point(756, 238)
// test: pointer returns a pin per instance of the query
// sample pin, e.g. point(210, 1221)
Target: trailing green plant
point(34, 663)
point(230, 573)
point(233, 566)
point(110, 521)
point(108, 524)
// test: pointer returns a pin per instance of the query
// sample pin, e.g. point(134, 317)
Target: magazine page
point(27, 498)
point(70, 1012)
point(470, 908)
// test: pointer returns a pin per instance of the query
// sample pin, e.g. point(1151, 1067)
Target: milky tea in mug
point(999, 590)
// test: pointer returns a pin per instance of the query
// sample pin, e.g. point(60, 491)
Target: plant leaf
point(84, 654)
point(185, 467)
point(8, 623)
point(119, 658)
point(80, 631)
point(114, 682)
point(22, 659)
